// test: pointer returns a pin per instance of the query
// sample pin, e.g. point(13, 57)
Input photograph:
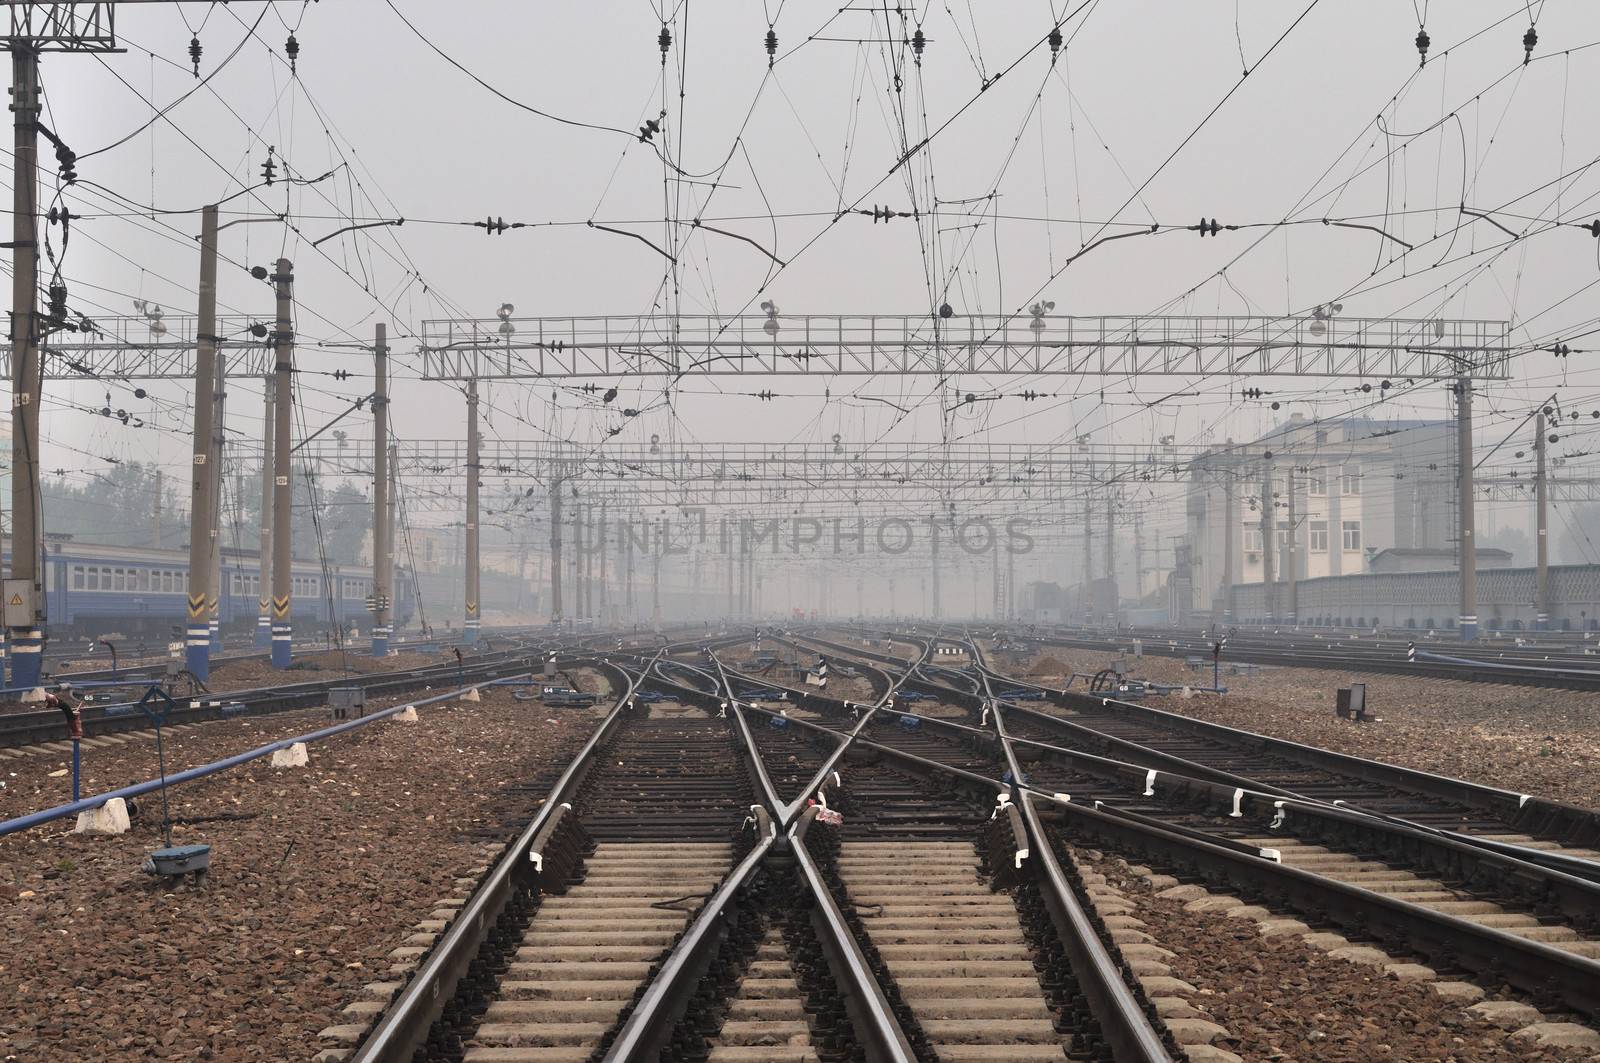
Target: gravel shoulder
point(1280, 999)
point(1528, 740)
point(318, 873)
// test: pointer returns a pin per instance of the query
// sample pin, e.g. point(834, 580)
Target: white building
point(1344, 489)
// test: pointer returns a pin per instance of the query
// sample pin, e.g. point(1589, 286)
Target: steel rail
point(403, 1027)
point(647, 1029)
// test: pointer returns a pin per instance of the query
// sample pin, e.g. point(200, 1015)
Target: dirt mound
point(1047, 665)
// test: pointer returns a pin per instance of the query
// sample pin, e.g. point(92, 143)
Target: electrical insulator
point(67, 161)
point(58, 305)
point(1530, 41)
point(194, 54)
point(772, 46)
point(1208, 227)
point(1422, 45)
point(269, 169)
point(918, 42)
point(1055, 43)
point(291, 48)
point(664, 41)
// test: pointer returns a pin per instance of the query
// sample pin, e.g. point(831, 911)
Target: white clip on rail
point(1150, 783)
point(1271, 854)
point(1238, 800)
point(1277, 821)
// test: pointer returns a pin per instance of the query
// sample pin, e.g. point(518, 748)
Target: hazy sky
point(1141, 119)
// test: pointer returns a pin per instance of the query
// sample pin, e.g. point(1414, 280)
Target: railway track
point(677, 897)
point(1550, 667)
point(686, 892)
point(1419, 891)
point(23, 729)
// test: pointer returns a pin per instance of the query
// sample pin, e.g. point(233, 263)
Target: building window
point(1322, 435)
point(1283, 534)
point(1252, 540)
point(77, 577)
point(1350, 481)
point(1319, 536)
point(1317, 480)
point(1352, 535)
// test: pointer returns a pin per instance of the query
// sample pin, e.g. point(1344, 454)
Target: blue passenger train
point(96, 590)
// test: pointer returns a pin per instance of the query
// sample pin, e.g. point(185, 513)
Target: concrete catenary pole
point(24, 592)
point(1269, 541)
point(1467, 621)
point(555, 550)
point(203, 470)
point(382, 546)
point(268, 457)
point(282, 491)
point(1230, 529)
point(1541, 579)
point(469, 626)
point(215, 588)
point(1291, 570)
point(390, 580)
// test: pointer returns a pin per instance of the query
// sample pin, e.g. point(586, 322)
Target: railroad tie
point(766, 1020)
point(586, 952)
point(1429, 893)
point(955, 949)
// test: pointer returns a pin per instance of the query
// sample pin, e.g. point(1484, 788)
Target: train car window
point(93, 579)
point(166, 580)
point(77, 577)
point(49, 578)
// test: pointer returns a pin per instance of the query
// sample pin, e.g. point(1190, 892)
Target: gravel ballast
point(1525, 739)
point(1279, 998)
point(318, 873)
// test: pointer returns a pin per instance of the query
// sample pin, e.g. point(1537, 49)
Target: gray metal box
point(347, 703)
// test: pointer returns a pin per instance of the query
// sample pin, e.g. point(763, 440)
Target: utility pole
point(268, 458)
point(469, 626)
point(24, 590)
point(1292, 569)
point(390, 583)
point(203, 469)
point(214, 584)
point(282, 492)
point(555, 551)
point(1269, 539)
point(604, 538)
point(1138, 558)
point(655, 582)
point(1111, 559)
point(627, 569)
point(382, 547)
point(933, 541)
point(1468, 620)
point(155, 512)
point(1541, 577)
point(1230, 530)
point(1088, 559)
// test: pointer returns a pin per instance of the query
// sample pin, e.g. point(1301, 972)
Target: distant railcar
point(140, 592)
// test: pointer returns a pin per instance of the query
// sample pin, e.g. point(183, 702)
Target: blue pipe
point(35, 819)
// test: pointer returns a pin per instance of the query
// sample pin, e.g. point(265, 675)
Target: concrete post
point(197, 636)
point(1541, 582)
point(282, 491)
point(469, 625)
point(1467, 621)
point(215, 588)
point(268, 458)
point(382, 547)
point(24, 594)
point(1269, 541)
